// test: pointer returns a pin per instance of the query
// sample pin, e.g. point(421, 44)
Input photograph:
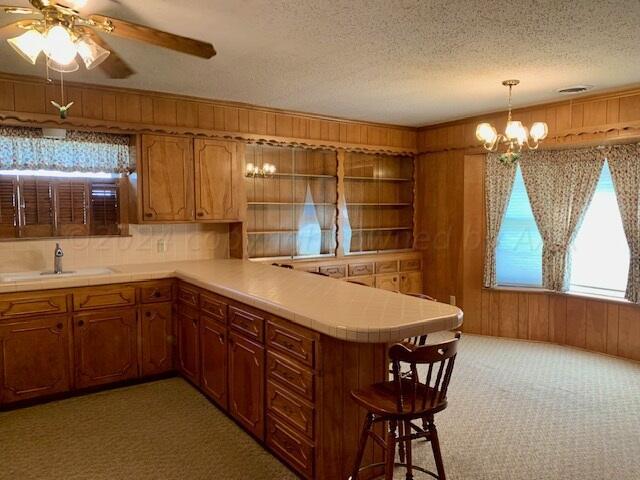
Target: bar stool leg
point(362, 444)
point(407, 429)
point(401, 432)
point(390, 451)
point(435, 445)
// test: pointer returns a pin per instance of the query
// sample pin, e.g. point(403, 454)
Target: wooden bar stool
point(404, 400)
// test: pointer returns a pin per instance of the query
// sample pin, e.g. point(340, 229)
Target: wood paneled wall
point(450, 231)
point(26, 101)
point(611, 117)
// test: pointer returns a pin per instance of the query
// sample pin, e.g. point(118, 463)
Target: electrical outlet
point(161, 246)
point(452, 300)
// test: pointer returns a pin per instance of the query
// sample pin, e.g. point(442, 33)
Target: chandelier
point(267, 170)
point(516, 136)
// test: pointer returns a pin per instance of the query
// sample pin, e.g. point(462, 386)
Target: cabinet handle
point(59, 326)
point(195, 322)
point(80, 323)
point(221, 337)
point(147, 314)
point(148, 215)
point(156, 294)
point(201, 214)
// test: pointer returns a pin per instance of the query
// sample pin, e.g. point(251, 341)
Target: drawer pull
point(147, 313)
point(59, 326)
point(80, 323)
point(221, 337)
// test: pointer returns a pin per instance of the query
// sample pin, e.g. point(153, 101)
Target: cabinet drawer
point(335, 271)
point(388, 282)
point(360, 269)
point(250, 323)
point(390, 266)
point(290, 375)
point(411, 265)
point(366, 280)
point(293, 410)
point(102, 297)
point(213, 306)
point(22, 304)
point(290, 447)
point(293, 341)
point(188, 295)
point(156, 292)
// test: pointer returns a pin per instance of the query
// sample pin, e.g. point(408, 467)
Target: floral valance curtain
point(560, 185)
point(624, 163)
point(499, 180)
point(27, 149)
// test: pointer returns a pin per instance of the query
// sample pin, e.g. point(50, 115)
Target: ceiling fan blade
point(114, 66)
point(141, 33)
point(18, 10)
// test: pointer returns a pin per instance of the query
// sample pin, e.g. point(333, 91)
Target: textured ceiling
point(407, 62)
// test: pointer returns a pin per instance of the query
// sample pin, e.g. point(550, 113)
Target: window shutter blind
point(8, 204)
point(36, 202)
point(72, 207)
point(105, 216)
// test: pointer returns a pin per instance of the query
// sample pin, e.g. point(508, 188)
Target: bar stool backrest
point(412, 393)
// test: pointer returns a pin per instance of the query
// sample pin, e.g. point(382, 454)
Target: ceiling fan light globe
point(66, 68)
point(486, 133)
point(539, 131)
point(91, 53)
point(59, 46)
point(28, 45)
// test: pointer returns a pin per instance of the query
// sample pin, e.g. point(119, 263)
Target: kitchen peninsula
point(279, 350)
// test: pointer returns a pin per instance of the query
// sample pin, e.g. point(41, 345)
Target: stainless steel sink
point(37, 275)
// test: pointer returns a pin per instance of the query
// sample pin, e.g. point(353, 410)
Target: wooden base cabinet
point(246, 383)
point(34, 358)
point(156, 335)
point(188, 343)
point(106, 347)
point(214, 348)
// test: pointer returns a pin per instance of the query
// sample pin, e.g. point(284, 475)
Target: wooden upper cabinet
point(218, 180)
point(106, 347)
point(34, 358)
point(167, 179)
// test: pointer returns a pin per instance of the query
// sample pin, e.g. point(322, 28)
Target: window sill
point(540, 290)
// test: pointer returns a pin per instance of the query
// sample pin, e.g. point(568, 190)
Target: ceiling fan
point(62, 34)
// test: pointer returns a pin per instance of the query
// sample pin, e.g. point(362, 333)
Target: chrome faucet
point(57, 259)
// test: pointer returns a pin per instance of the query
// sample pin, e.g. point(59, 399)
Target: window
point(37, 205)
point(600, 253)
point(519, 251)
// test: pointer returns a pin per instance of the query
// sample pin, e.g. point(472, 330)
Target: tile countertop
point(336, 308)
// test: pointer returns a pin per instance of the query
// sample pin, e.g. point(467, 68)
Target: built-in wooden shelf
point(378, 229)
point(378, 204)
point(324, 204)
point(299, 175)
point(379, 179)
point(277, 232)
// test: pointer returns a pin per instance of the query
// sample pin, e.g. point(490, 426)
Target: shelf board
point(298, 175)
point(290, 203)
point(381, 179)
point(381, 229)
point(378, 204)
point(278, 232)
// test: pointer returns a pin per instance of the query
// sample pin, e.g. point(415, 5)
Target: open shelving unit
point(292, 213)
point(379, 195)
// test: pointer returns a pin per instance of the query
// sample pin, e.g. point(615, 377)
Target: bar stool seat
point(382, 399)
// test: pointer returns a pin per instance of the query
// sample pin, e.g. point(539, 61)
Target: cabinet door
point(218, 180)
point(188, 343)
point(106, 347)
point(388, 282)
point(156, 339)
point(213, 343)
point(411, 282)
point(34, 358)
point(167, 179)
point(246, 383)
